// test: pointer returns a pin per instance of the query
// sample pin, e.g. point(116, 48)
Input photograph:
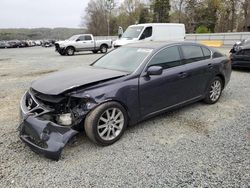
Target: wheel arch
point(222, 78)
point(104, 44)
point(113, 100)
point(71, 47)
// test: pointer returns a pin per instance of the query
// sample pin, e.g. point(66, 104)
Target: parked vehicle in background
point(241, 58)
point(4, 44)
point(239, 44)
point(14, 43)
point(23, 44)
point(83, 42)
point(38, 43)
point(47, 43)
point(124, 87)
point(152, 32)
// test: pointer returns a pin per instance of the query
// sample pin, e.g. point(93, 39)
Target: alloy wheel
point(215, 90)
point(110, 124)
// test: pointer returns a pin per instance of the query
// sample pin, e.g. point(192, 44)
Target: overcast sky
point(41, 13)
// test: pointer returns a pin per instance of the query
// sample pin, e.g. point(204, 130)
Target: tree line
point(39, 33)
point(103, 17)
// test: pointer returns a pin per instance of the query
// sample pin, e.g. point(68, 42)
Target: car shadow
point(150, 123)
point(241, 70)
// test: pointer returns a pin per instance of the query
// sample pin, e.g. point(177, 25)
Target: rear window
point(192, 53)
point(206, 52)
point(217, 55)
point(88, 37)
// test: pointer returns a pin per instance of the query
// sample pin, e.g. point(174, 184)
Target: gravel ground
point(196, 146)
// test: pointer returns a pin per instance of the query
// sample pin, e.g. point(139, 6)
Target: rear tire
point(70, 51)
point(106, 123)
point(104, 48)
point(214, 91)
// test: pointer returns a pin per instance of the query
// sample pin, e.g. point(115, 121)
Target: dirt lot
point(196, 146)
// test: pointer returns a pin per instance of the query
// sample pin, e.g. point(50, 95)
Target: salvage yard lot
point(198, 145)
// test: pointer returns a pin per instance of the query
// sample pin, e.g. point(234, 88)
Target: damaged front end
point(48, 122)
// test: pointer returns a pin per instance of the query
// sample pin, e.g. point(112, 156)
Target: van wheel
point(106, 123)
point(104, 48)
point(214, 91)
point(70, 51)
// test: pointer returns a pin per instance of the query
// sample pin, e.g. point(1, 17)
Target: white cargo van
point(152, 32)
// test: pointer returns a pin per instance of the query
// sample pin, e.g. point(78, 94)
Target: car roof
point(159, 45)
point(157, 24)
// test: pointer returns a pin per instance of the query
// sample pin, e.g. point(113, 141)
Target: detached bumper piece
point(59, 49)
point(45, 137)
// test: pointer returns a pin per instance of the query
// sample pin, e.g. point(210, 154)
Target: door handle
point(210, 66)
point(182, 74)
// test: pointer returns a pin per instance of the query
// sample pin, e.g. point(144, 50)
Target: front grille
point(34, 106)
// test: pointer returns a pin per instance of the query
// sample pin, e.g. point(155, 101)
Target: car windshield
point(125, 59)
point(132, 32)
point(73, 38)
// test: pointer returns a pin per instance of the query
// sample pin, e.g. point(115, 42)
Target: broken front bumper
point(42, 136)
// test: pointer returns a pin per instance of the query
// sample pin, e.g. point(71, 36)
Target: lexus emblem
point(30, 102)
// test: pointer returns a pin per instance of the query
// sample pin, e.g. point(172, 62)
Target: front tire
point(214, 91)
point(106, 123)
point(70, 51)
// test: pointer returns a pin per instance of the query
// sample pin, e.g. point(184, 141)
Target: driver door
point(158, 92)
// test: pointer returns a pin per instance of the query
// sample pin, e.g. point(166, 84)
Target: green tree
point(202, 29)
point(145, 16)
point(161, 10)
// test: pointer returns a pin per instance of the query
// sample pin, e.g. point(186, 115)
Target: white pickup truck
point(82, 42)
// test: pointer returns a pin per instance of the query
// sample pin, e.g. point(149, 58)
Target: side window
point(217, 55)
point(241, 52)
point(167, 58)
point(206, 52)
point(247, 52)
point(146, 33)
point(88, 37)
point(81, 38)
point(192, 53)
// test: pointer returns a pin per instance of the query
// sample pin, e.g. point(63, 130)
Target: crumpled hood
point(59, 82)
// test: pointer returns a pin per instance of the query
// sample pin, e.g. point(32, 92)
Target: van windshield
point(132, 32)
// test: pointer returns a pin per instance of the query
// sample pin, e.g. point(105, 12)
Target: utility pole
point(109, 6)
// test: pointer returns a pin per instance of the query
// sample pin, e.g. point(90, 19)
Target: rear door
point(199, 67)
point(157, 92)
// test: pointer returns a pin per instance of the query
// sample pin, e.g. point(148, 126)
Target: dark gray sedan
point(124, 87)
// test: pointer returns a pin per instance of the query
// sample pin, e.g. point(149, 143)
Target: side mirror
point(154, 70)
